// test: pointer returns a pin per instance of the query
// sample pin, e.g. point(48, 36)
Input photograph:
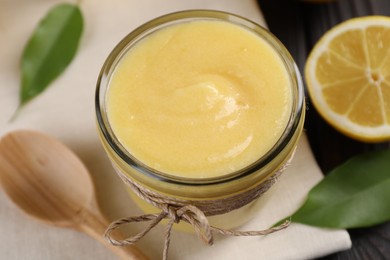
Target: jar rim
point(189, 15)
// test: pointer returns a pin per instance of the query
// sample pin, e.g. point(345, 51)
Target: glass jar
point(204, 189)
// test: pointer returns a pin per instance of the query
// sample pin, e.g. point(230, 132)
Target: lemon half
point(348, 78)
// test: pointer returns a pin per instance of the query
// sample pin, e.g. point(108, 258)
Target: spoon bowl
point(50, 183)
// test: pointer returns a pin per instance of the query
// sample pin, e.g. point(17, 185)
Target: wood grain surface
point(299, 25)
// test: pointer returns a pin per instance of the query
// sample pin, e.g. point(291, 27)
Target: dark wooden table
point(299, 25)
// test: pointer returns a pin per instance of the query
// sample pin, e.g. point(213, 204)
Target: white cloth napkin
point(66, 111)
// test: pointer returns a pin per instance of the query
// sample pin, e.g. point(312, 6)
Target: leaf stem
point(15, 114)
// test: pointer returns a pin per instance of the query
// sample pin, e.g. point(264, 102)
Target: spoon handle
point(95, 225)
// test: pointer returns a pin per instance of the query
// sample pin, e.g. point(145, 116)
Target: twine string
point(189, 214)
point(191, 211)
point(154, 218)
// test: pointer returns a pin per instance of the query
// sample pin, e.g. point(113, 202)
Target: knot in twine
point(192, 212)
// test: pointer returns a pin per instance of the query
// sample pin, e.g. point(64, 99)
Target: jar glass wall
point(200, 189)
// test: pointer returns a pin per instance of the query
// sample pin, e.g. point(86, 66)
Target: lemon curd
point(200, 106)
point(199, 99)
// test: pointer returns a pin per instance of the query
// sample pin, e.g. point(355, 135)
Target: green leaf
point(50, 49)
point(355, 194)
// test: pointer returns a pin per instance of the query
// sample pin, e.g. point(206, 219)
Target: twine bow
point(189, 214)
point(192, 212)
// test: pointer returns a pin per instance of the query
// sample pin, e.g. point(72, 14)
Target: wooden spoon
point(49, 182)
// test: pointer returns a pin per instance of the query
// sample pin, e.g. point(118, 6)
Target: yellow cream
point(199, 99)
